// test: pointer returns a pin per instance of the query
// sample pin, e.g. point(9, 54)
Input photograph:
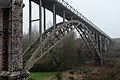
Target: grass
point(41, 75)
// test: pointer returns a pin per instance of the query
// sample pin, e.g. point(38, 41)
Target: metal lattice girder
point(29, 51)
point(88, 38)
point(52, 37)
point(69, 12)
point(52, 40)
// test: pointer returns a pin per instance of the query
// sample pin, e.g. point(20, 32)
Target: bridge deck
point(62, 6)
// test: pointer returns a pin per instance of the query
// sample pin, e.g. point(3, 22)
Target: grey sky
point(103, 13)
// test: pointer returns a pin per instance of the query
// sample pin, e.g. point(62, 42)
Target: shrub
point(71, 72)
point(59, 76)
point(71, 78)
point(31, 79)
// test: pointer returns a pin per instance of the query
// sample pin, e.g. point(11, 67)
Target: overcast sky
point(103, 13)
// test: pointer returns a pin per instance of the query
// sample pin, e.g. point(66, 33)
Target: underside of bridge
point(14, 63)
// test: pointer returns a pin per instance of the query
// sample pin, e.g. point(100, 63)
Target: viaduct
point(14, 63)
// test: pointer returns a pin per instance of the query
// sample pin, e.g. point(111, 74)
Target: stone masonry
point(11, 47)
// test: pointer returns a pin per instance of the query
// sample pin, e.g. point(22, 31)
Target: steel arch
point(52, 37)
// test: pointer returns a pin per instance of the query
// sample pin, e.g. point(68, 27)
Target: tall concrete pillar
point(100, 48)
point(54, 16)
point(99, 43)
point(12, 49)
point(105, 44)
point(64, 16)
point(98, 60)
point(40, 21)
point(94, 36)
point(30, 18)
point(96, 39)
point(44, 19)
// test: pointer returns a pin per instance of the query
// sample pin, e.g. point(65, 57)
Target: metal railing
point(81, 16)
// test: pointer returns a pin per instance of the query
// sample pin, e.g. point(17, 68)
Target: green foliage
point(67, 53)
point(26, 42)
point(40, 76)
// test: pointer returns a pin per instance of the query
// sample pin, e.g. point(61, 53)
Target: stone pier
point(11, 47)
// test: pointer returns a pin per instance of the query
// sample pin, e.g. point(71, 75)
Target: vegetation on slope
point(72, 53)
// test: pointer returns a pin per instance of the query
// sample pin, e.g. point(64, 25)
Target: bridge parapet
point(62, 6)
point(64, 3)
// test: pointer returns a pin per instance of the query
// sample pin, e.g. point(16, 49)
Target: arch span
point(51, 37)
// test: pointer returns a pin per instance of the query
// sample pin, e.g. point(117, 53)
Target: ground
point(82, 73)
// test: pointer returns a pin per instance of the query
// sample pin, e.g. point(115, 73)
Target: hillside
point(113, 49)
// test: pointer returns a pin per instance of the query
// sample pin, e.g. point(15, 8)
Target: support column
point(40, 21)
point(40, 17)
point(12, 49)
point(64, 16)
point(99, 43)
point(105, 45)
point(54, 16)
point(90, 32)
point(6, 40)
point(94, 36)
point(97, 58)
point(44, 19)
point(100, 48)
point(96, 39)
point(30, 18)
